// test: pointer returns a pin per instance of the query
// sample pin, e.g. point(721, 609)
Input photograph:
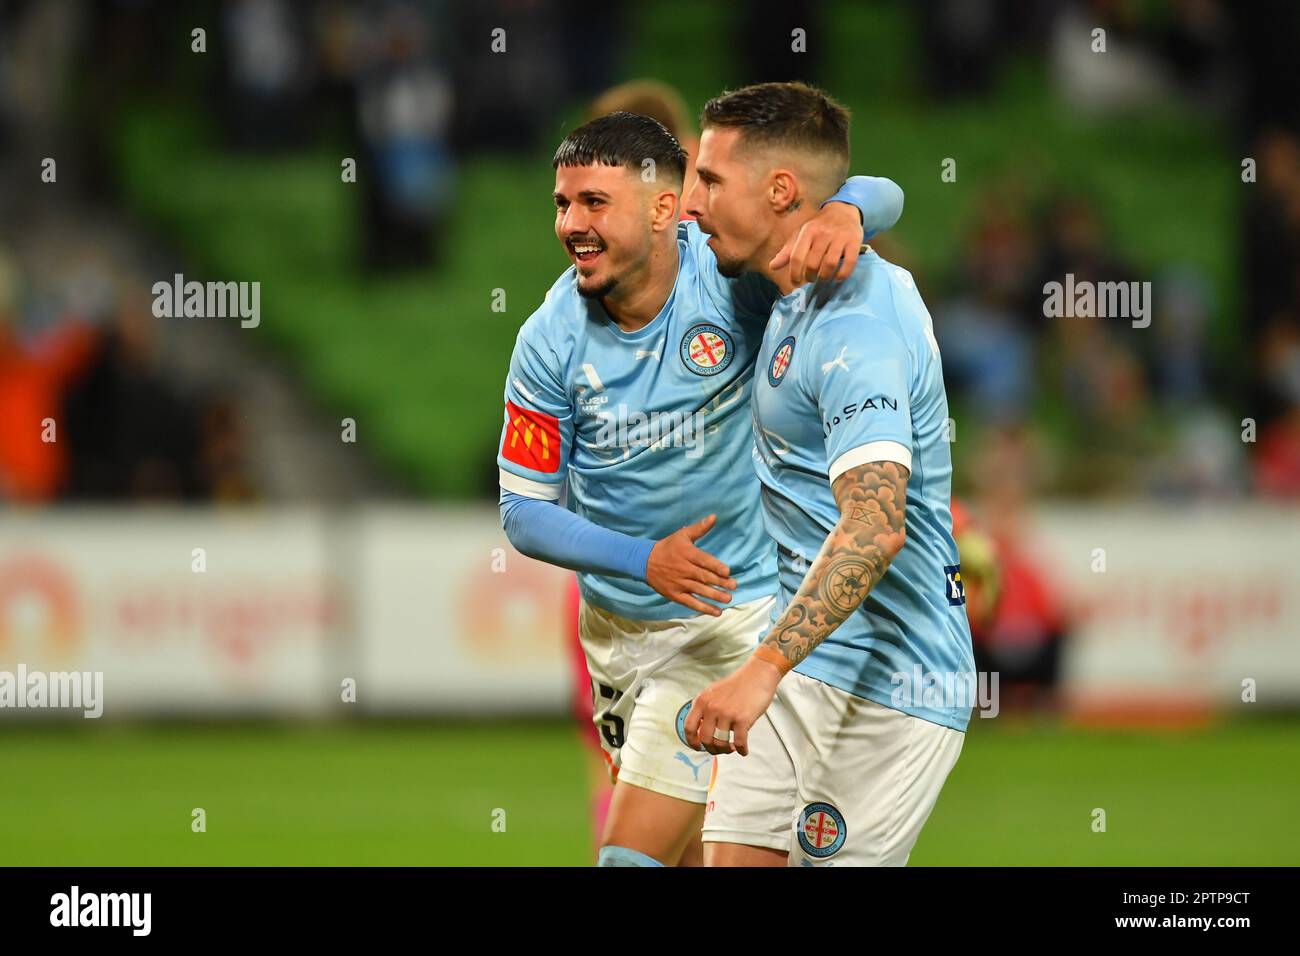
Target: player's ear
point(782, 190)
point(665, 211)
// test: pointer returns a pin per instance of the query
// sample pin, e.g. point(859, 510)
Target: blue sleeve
point(537, 425)
point(880, 201)
point(548, 532)
point(860, 371)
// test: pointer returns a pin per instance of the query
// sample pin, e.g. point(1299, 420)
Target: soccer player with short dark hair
point(850, 417)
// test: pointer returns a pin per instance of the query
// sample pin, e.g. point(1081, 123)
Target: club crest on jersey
point(821, 830)
point(956, 586)
point(707, 350)
point(780, 363)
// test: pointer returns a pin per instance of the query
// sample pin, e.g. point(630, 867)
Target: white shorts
point(834, 779)
point(644, 673)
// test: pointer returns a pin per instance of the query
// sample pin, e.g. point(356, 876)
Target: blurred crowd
point(412, 100)
point(1087, 406)
point(1098, 405)
point(1057, 405)
point(1091, 407)
point(1271, 264)
point(86, 411)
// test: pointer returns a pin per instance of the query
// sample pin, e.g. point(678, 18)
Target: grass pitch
point(428, 793)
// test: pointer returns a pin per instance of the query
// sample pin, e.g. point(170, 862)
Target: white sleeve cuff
point(872, 451)
point(527, 487)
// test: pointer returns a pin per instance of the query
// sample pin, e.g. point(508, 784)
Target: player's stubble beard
point(610, 286)
point(729, 266)
point(597, 291)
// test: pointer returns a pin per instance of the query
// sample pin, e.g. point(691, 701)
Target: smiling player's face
point(604, 221)
point(728, 202)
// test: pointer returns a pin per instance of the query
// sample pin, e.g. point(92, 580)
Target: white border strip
point(872, 451)
point(527, 487)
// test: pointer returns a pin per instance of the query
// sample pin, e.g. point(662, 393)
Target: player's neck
point(790, 224)
point(635, 305)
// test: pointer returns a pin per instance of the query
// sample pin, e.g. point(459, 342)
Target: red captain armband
point(532, 439)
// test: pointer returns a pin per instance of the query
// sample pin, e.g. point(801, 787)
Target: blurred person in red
point(1018, 623)
point(1277, 455)
point(981, 572)
point(35, 371)
point(131, 432)
point(1277, 464)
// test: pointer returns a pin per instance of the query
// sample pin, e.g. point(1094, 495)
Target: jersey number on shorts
point(611, 725)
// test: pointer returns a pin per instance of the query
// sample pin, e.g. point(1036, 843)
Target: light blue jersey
point(651, 428)
point(849, 374)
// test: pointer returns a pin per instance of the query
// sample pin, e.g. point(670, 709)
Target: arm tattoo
point(856, 555)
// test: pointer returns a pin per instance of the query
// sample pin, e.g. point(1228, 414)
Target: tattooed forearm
point(856, 555)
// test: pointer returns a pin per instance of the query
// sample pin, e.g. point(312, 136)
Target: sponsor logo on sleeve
point(532, 439)
point(879, 403)
point(956, 587)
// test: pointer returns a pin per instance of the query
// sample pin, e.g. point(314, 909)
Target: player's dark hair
point(783, 114)
point(623, 139)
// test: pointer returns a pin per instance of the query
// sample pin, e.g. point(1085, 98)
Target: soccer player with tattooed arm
point(837, 766)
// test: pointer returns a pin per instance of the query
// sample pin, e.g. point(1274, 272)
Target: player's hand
point(732, 704)
point(823, 247)
point(681, 572)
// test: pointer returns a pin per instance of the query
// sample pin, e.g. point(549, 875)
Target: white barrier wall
point(450, 617)
point(237, 624)
point(1192, 601)
point(430, 610)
